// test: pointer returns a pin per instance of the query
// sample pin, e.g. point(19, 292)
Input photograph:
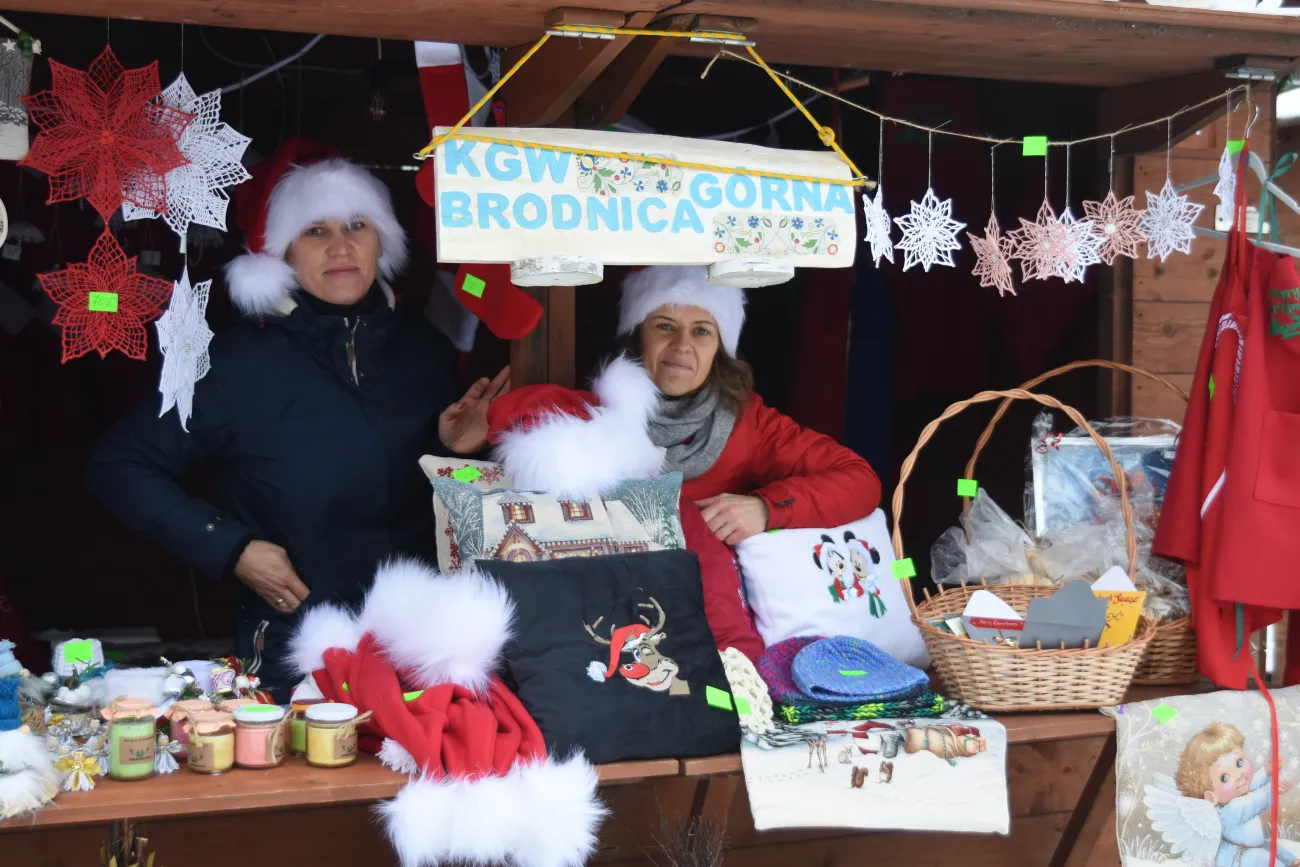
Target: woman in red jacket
point(747, 466)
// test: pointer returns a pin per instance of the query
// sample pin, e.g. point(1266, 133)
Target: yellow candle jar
point(298, 724)
point(212, 742)
point(332, 734)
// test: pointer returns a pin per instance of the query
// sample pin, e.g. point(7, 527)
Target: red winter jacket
point(807, 479)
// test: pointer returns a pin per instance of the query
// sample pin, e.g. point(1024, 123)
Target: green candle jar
point(131, 749)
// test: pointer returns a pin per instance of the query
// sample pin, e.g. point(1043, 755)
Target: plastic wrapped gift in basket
point(1170, 658)
point(996, 677)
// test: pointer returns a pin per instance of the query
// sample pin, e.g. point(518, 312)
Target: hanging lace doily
point(104, 303)
point(1167, 223)
point(103, 137)
point(929, 233)
point(183, 337)
point(1088, 246)
point(196, 191)
point(1117, 225)
point(878, 226)
point(1048, 247)
point(1226, 188)
point(993, 258)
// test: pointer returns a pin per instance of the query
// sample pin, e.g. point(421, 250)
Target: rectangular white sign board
point(501, 202)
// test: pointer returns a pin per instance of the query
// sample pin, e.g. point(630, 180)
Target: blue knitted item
point(10, 717)
point(818, 671)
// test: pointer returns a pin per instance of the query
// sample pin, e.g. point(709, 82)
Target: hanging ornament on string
point(15, 79)
point(929, 231)
point(993, 251)
point(105, 303)
point(1115, 222)
point(1167, 223)
point(214, 153)
point(1226, 188)
point(878, 225)
point(103, 137)
point(1048, 247)
point(1089, 245)
point(183, 337)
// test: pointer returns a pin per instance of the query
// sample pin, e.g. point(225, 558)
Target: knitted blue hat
point(847, 670)
point(10, 718)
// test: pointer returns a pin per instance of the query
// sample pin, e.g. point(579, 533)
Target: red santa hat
point(301, 183)
point(647, 289)
point(623, 639)
point(420, 658)
point(577, 443)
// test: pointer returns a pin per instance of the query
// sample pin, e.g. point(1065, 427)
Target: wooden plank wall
point(1171, 299)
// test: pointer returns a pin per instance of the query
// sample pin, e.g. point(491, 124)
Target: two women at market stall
point(321, 401)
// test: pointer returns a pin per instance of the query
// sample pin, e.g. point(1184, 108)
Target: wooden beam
point(1139, 103)
point(558, 74)
point(611, 94)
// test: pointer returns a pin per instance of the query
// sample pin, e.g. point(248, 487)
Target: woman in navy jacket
point(313, 417)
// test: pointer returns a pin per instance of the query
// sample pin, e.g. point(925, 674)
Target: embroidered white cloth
point(908, 775)
point(183, 337)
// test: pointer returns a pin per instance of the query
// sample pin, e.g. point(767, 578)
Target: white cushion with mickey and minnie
point(831, 582)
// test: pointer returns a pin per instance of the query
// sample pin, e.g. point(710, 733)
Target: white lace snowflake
point(878, 226)
point(1226, 189)
point(929, 233)
point(1088, 247)
point(195, 191)
point(1167, 223)
point(183, 337)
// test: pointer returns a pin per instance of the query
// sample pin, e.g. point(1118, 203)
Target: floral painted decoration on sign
point(608, 177)
point(753, 233)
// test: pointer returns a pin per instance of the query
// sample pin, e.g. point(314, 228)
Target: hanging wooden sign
point(512, 199)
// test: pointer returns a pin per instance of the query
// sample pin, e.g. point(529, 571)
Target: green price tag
point(345, 688)
point(473, 286)
point(718, 698)
point(1034, 146)
point(904, 568)
point(742, 706)
point(967, 487)
point(1163, 713)
point(78, 651)
point(773, 530)
point(261, 708)
point(467, 474)
point(102, 302)
point(412, 696)
point(855, 672)
point(1211, 386)
point(1236, 145)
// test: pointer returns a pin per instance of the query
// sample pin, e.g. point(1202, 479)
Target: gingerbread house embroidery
point(547, 529)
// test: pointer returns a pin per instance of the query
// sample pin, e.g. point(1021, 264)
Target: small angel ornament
point(1211, 814)
point(79, 770)
point(164, 761)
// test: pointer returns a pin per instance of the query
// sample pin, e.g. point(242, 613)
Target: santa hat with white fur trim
point(648, 289)
point(420, 657)
point(301, 183)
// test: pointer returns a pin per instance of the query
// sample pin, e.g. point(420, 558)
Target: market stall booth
point(712, 702)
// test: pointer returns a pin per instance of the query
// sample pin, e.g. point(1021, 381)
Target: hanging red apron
point(1196, 522)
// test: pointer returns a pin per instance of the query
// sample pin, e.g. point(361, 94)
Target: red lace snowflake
point(104, 303)
point(103, 137)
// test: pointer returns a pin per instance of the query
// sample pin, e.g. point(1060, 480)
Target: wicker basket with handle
point(998, 678)
point(1171, 656)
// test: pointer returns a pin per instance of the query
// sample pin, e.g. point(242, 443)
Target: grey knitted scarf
point(693, 430)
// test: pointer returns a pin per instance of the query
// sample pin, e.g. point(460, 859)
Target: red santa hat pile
point(301, 183)
point(420, 658)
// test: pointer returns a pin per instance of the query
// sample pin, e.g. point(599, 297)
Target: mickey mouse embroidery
point(864, 560)
point(830, 559)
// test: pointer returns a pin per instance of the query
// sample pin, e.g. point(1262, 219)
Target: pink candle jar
point(179, 714)
point(261, 735)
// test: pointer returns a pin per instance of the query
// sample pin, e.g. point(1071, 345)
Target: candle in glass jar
point(298, 724)
point(212, 742)
point(179, 714)
point(260, 736)
point(332, 734)
point(131, 749)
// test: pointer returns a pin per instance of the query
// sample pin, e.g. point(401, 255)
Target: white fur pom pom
point(322, 627)
point(260, 284)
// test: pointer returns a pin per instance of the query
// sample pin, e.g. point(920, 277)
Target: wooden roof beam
point(548, 86)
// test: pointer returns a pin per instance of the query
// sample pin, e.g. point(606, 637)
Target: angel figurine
point(1210, 812)
point(79, 769)
point(164, 761)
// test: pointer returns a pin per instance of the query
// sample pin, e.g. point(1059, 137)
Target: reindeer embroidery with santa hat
point(420, 658)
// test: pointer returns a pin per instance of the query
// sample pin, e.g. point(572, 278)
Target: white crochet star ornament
point(1226, 189)
point(183, 337)
point(196, 191)
point(1167, 223)
point(878, 226)
point(1088, 247)
point(929, 233)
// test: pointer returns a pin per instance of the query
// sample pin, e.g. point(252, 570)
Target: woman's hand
point(266, 569)
point(733, 518)
point(463, 426)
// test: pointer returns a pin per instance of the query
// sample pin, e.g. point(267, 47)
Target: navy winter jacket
point(313, 426)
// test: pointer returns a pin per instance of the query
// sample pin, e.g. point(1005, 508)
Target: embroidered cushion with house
point(483, 475)
point(830, 582)
point(637, 515)
point(613, 655)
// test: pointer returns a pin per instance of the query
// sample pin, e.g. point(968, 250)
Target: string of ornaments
point(112, 136)
point(1063, 246)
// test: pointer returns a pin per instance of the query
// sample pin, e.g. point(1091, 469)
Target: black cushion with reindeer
point(613, 655)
